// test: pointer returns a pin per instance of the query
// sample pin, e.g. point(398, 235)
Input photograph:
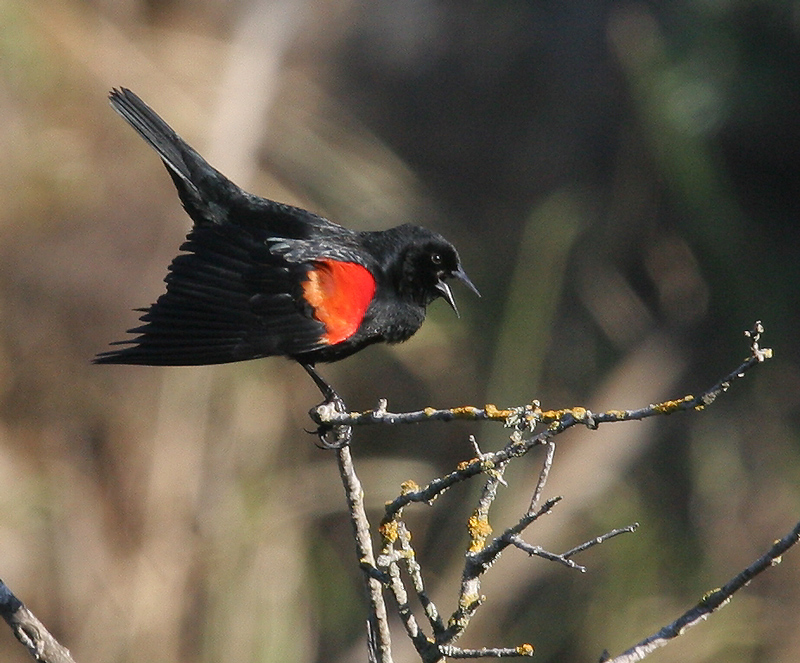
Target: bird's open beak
point(442, 287)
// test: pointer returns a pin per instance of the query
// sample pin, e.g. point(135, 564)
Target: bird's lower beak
point(442, 287)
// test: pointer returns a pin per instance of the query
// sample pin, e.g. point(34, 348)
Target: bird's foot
point(330, 436)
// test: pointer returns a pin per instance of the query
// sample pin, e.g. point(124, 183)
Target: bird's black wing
point(228, 298)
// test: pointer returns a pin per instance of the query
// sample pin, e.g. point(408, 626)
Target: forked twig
point(483, 550)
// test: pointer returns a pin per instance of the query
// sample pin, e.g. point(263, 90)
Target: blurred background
point(622, 180)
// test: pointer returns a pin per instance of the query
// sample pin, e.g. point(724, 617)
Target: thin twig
point(30, 631)
point(564, 558)
point(710, 602)
point(415, 573)
point(415, 633)
point(538, 551)
point(518, 445)
point(327, 415)
point(600, 539)
point(506, 652)
point(543, 474)
point(488, 556)
point(390, 559)
point(378, 627)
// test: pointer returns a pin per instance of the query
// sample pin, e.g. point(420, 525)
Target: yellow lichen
point(579, 413)
point(408, 486)
point(470, 601)
point(479, 531)
point(388, 530)
point(493, 412)
point(465, 412)
point(668, 407)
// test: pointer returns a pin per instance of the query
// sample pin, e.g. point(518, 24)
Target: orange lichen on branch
point(466, 412)
point(549, 416)
point(479, 530)
point(467, 603)
point(409, 486)
point(388, 530)
point(668, 407)
point(556, 416)
point(525, 650)
point(493, 412)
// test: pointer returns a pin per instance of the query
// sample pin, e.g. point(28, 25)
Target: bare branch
point(415, 573)
point(528, 416)
point(564, 558)
point(489, 554)
point(538, 551)
point(30, 631)
point(508, 652)
point(543, 474)
point(389, 558)
point(711, 602)
point(325, 414)
point(379, 638)
point(415, 633)
point(600, 539)
point(469, 598)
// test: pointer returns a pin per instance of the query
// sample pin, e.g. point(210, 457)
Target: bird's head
point(429, 261)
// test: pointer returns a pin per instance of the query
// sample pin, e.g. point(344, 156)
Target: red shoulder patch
point(340, 293)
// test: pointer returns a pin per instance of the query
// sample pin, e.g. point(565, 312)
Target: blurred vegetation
point(623, 183)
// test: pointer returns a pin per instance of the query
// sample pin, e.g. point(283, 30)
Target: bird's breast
point(393, 321)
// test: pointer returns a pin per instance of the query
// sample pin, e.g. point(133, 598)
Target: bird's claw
point(341, 436)
point(331, 436)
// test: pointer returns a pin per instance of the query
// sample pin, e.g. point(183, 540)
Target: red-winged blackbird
point(259, 278)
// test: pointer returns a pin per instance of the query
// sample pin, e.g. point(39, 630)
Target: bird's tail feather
point(149, 125)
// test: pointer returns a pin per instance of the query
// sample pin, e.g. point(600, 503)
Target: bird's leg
point(327, 391)
point(341, 434)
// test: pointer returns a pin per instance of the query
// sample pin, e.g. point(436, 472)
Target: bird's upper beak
point(442, 287)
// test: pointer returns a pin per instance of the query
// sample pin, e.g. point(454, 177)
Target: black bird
point(259, 278)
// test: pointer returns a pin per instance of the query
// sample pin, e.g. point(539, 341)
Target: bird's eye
point(436, 258)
